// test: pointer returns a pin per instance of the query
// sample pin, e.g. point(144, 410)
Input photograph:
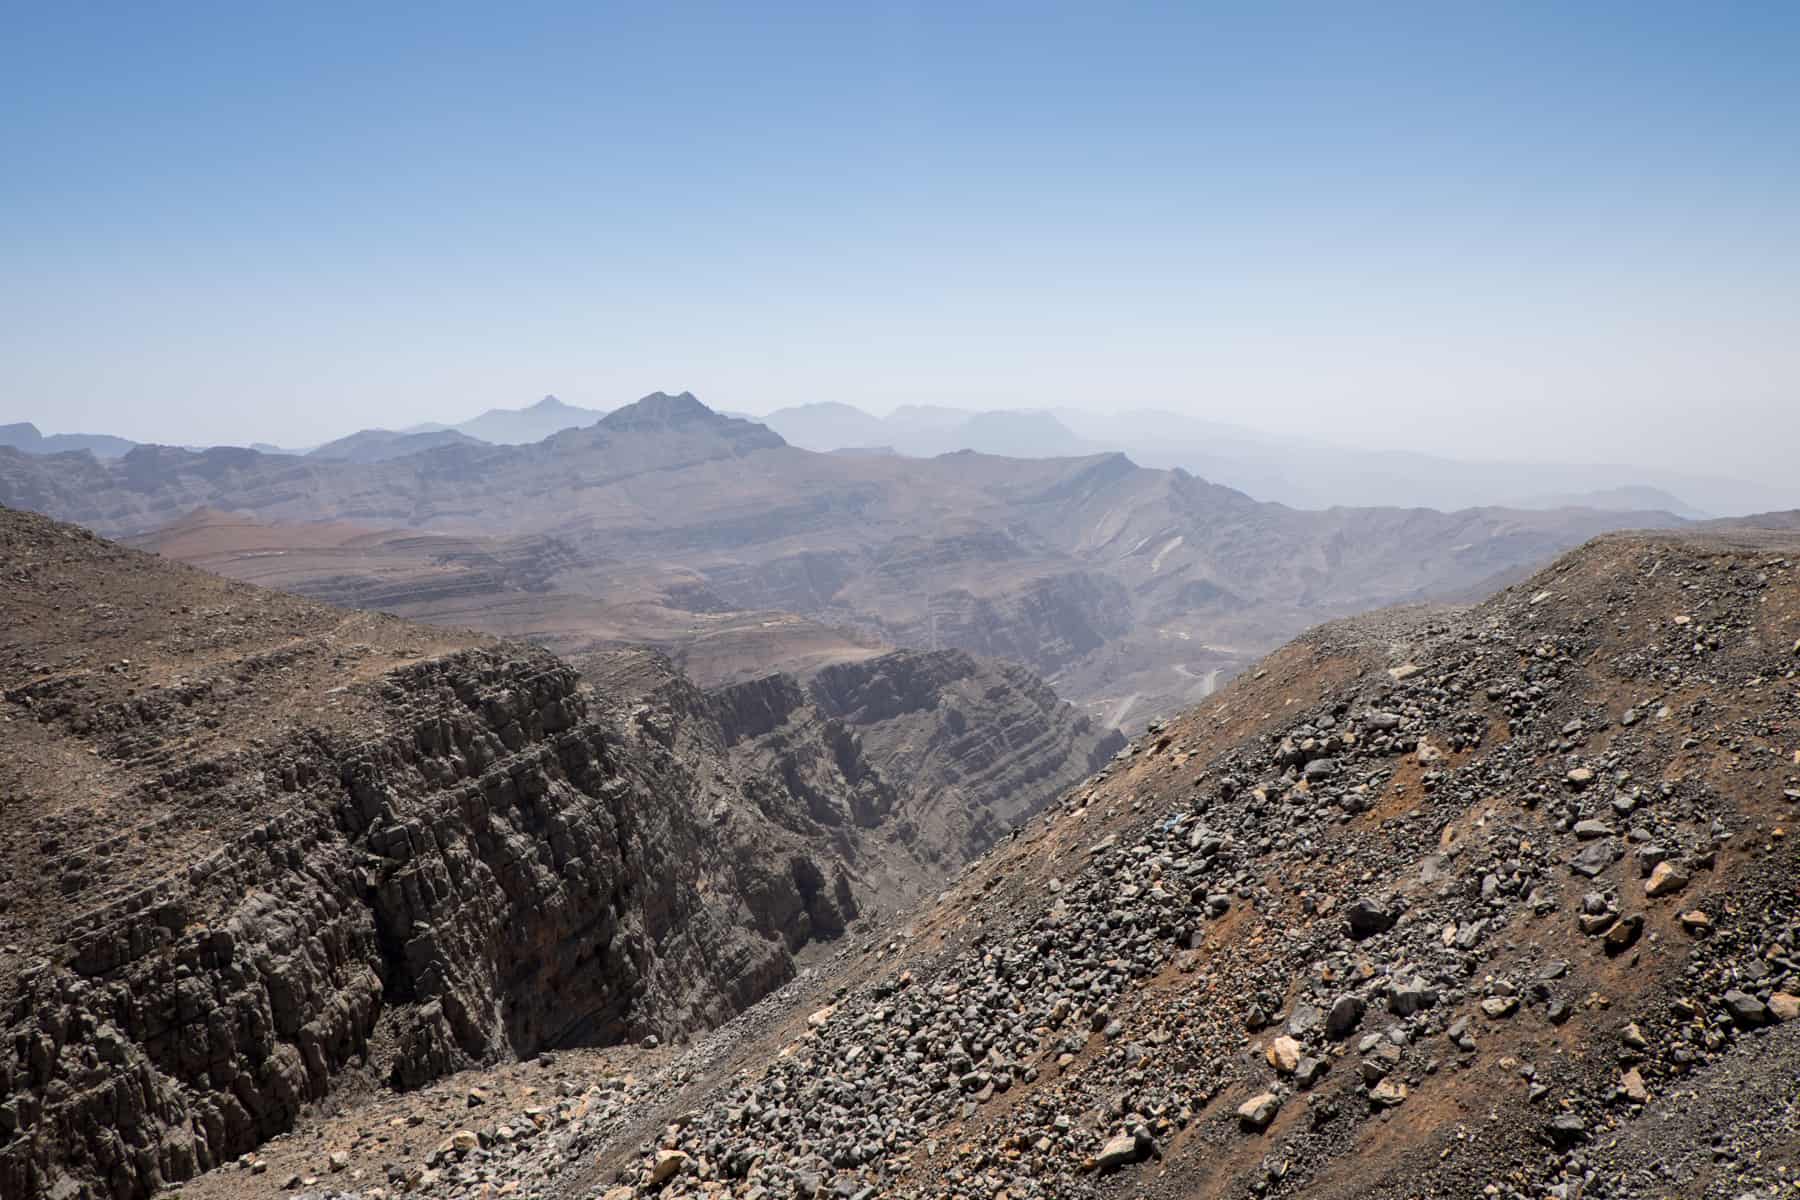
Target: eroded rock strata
point(279, 846)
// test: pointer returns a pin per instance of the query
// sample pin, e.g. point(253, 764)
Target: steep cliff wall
point(505, 870)
point(900, 767)
point(257, 847)
point(976, 747)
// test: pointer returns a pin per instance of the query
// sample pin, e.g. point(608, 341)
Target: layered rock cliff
point(501, 870)
point(977, 747)
point(258, 846)
point(906, 765)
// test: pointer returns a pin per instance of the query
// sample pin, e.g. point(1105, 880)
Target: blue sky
point(1551, 230)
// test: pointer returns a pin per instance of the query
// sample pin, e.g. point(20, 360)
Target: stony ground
point(1500, 902)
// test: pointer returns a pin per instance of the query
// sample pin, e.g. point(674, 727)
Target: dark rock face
point(490, 857)
point(980, 747)
point(508, 871)
point(898, 769)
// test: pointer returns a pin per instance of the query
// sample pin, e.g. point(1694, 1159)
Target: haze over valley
point(915, 601)
point(1132, 591)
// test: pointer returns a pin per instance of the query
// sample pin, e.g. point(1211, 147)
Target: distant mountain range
point(379, 445)
point(1135, 590)
point(25, 436)
point(518, 426)
point(1311, 473)
point(496, 426)
point(1292, 469)
point(1618, 499)
point(924, 431)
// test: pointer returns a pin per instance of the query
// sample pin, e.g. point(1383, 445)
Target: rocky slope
point(1499, 901)
point(262, 853)
point(1134, 590)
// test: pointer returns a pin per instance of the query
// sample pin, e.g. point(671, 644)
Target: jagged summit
point(683, 413)
point(661, 408)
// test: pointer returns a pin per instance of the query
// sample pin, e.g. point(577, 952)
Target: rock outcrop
point(504, 871)
point(975, 747)
point(906, 765)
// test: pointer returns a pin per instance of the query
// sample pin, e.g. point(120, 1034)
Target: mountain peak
point(683, 415)
point(22, 435)
point(660, 408)
point(532, 423)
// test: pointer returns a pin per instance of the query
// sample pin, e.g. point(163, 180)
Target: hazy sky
point(1545, 230)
